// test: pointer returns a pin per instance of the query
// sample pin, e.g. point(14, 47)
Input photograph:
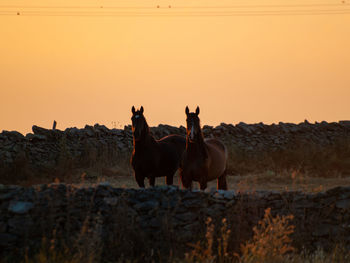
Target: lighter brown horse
point(204, 159)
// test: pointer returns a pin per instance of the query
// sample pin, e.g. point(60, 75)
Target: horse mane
point(146, 133)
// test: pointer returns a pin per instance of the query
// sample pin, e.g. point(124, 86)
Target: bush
point(271, 241)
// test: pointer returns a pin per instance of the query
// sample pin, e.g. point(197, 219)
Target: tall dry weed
point(271, 241)
point(215, 246)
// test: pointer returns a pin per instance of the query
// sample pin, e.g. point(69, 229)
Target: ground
point(269, 180)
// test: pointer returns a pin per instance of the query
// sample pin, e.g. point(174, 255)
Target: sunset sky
point(87, 68)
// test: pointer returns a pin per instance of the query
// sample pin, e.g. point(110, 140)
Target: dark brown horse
point(153, 158)
point(204, 159)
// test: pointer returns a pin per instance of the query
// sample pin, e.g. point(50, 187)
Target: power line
point(232, 10)
point(174, 6)
point(75, 7)
point(179, 14)
point(188, 12)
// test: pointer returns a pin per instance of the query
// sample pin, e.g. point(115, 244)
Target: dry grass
point(271, 241)
point(269, 180)
point(307, 157)
point(214, 248)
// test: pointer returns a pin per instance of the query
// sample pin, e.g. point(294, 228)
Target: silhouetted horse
point(154, 158)
point(204, 159)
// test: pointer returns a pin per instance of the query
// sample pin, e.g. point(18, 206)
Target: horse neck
point(145, 140)
point(197, 147)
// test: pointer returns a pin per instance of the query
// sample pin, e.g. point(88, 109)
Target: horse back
point(159, 157)
point(175, 144)
point(217, 157)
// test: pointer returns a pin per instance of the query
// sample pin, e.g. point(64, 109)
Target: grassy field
point(269, 180)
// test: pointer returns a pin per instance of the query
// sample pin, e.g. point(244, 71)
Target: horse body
point(204, 159)
point(217, 156)
point(153, 158)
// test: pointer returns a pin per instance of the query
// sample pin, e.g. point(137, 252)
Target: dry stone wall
point(161, 219)
point(53, 152)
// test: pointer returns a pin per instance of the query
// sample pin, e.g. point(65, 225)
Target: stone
point(230, 203)
point(186, 217)
point(147, 205)
point(7, 239)
point(192, 203)
point(324, 230)
point(35, 137)
point(211, 190)
point(218, 195)
point(192, 227)
point(162, 188)
point(19, 225)
point(105, 183)
point(7, 196)
point(20, 207)
point(345, 123)
point(230, 194)
point(111, 200)
point(154, 222)
point(89, 130)
point(343, 204)
point(41, 131)
point(72, 132)
point(212, 212)
point(2, 227)
point(244, 127)
point(172, 189)
point(13, 135)
point(169, 203)
point(189, 195)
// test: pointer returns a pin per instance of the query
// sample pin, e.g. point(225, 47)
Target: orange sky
point(87, 70)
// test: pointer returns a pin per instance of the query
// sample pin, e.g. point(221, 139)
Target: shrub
point(271, 241)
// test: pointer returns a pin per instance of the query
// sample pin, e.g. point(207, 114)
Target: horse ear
point(141, 109)
point(197, 110)
point(187, 110)
point(133, 110)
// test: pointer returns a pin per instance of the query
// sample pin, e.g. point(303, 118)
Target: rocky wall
point(54, 152)
point(162, 219)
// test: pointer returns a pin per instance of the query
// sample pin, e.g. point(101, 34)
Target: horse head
point(139, 124)
point(193, 130)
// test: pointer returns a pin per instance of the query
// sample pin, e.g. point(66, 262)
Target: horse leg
point(203, 184)
point(222, 183)
point(169, 179)
point(151, 180)
point(140, 180)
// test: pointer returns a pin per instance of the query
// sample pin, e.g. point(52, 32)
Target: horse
point(204, 159)
point(153, 158)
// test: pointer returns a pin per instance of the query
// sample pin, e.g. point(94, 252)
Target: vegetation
point(270, 243)
point(314, 160)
